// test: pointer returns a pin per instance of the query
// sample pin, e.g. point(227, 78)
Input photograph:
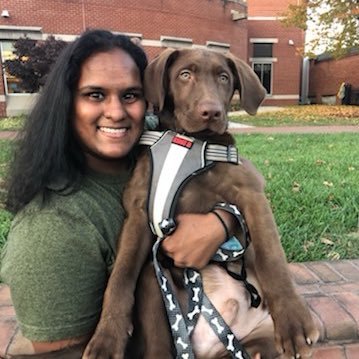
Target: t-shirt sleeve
point(55, 264)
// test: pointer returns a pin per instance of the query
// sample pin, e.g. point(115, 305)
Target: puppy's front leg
point(115, 326)
point(294, 326)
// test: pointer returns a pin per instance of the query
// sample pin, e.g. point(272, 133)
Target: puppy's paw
point(295, 331)
point(105, 345)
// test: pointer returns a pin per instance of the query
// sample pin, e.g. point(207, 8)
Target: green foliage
point(312, 183)
point(335, 24)
point(33, 61)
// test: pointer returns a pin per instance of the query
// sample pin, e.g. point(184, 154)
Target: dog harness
point(175, 160)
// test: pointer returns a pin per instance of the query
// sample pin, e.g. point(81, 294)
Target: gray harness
point(175, 160)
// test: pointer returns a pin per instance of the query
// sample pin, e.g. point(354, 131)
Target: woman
point(75, 155)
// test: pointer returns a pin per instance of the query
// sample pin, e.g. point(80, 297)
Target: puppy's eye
point(223, 77)
point(185, 75)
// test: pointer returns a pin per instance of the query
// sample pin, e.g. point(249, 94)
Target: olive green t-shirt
point(59, 255)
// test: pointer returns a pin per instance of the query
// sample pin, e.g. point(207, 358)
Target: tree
point(33, 60)
point(332, 25)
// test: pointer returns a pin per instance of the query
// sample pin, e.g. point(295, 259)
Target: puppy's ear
point(156, 78)
point(252, 93)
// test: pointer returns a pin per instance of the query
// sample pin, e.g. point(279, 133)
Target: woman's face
point(109, 109)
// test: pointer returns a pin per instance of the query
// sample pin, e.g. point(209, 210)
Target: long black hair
point(47, 150)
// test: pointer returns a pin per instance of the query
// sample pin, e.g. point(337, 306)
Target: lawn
point(11, 123)
point(5, 216)
point(312, 182)
point(313, 115)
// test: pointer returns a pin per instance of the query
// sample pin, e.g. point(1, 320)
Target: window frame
point(5, 75)
point(257, 61)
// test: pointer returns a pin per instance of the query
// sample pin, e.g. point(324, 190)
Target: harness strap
point(178, 324)
point(213, 152)
point(175, 159)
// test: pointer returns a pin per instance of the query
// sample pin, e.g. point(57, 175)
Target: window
point(262, 50)
point(12, 84)
point(264, 72)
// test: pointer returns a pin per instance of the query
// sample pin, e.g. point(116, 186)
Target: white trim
point(218, 45)
point(263, 59)
point(67, 38)
point(266, 18)
point(20, 28)
point(263, 40)
point(10, 33)
point(129, 34)
point(283, 97)
point(175, 41)
point(2, 98)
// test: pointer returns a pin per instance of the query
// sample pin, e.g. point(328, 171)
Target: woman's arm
point(197, 238)
point(55, 268)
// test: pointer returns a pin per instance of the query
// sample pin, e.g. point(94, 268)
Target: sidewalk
point(331, 290)
point(238, 128)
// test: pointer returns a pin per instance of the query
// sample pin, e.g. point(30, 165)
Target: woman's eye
point(223, 77)
point(131, 97)
point(95, 96)
point(185, 75)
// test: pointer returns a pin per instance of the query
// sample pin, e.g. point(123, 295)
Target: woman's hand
point(197, 238)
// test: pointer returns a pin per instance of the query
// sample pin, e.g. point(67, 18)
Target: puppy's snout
point(210, 110)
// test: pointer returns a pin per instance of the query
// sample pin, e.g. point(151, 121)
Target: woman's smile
point(109, 109)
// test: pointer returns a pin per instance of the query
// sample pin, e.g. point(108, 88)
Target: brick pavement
point(330, 288)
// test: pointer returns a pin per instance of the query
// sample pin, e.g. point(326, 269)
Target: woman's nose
point(114, 109)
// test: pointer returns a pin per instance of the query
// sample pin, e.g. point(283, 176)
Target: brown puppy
point(192, 90)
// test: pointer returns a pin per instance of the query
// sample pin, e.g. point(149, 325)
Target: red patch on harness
point(182, 141)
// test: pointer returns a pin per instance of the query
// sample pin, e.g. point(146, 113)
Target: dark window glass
point(262, 50)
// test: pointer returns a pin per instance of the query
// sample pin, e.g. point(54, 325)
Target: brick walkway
point(330, 288)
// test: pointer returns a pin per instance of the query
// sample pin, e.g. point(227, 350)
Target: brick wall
point(268, 8)
point(287, 59)
point(186, 18)
point(326, 76)
point(199, 20)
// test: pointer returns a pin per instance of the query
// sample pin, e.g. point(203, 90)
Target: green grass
point(312, 184)
point(5, 216)
point(5, 220)
point(11, 123)
point(313, 115)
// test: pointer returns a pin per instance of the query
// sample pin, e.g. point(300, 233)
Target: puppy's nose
point(209, 110)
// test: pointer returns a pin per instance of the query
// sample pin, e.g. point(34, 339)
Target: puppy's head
point(195, 87)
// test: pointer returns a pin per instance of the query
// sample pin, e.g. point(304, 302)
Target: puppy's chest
point(205, 190)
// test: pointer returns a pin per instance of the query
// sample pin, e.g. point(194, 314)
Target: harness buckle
point(167, 226)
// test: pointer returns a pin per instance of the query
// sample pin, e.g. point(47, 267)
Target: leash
point(175, 159)
point(198, 303)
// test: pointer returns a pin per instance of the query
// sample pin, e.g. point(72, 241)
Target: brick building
point(326, 76)
point(249, 29)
